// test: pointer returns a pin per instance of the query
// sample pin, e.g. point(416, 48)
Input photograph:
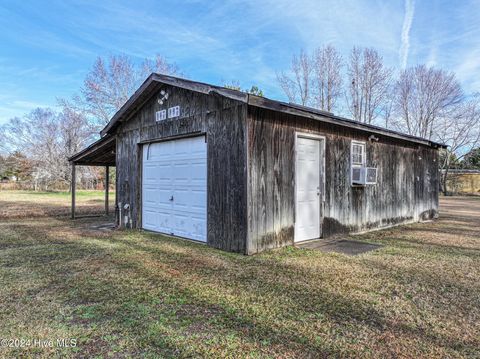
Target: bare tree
point(159, 65)
point(387, 112)
point(48, 139)
point(460, 131)
point(368, 80)
point(297, 84)
point(423, 96)
point(110, 83)
point(327, 82)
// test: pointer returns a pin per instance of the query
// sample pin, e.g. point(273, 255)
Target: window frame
point(353, 165)
point(363, 145)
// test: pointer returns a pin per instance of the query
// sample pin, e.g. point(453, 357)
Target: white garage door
point(174, 188)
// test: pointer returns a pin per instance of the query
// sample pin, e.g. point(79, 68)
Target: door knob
point(171, 198)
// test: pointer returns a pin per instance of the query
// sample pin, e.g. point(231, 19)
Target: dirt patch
point(343, 246)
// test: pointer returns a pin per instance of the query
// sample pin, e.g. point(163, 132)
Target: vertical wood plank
point(398, 197)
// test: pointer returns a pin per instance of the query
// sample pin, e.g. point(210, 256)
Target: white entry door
point(174, 187)
point(309, 177)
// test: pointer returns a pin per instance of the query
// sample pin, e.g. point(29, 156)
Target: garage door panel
point(163, 197)
point(182, 198)
point(198, 201)
point(174, 187)
point(190, 199)
point(154, 152)
point(158, 171)
point(164, 221)
point(189, 226)
point(192, 145)
point(181, 173)
point(199, 225)
point(149, 220)
point(197, 174)
point(150, 196)
point(149, 174)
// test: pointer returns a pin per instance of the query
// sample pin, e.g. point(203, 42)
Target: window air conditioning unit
point(362, 176)
point(371, 177)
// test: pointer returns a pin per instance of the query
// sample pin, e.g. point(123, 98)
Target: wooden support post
point(74, 187)
point(107, 185)
point(117, 212)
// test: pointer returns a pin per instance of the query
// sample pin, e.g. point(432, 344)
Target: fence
point(464, 182)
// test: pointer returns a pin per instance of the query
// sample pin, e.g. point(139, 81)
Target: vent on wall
point(160, 115)
point(174, 112)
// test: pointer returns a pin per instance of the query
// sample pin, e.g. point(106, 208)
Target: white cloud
point(407, 25)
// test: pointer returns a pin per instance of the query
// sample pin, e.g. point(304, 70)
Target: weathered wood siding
point(407, 188)
point(223, 123)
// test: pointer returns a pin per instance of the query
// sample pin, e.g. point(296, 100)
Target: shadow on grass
point(115, 301)
point(157, 286)
point(417, 232)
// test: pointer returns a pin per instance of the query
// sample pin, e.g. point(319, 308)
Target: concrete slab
point(345, 246)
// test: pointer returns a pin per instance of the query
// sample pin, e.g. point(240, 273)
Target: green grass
point(133, 293)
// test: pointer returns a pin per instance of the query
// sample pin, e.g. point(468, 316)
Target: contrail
point(407, 24)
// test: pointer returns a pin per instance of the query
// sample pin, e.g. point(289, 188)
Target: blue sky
point(47, 47)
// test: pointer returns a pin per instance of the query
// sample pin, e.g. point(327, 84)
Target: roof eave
point(141, 96)
point(126, 110)
point(328, 117)
point(95, 146)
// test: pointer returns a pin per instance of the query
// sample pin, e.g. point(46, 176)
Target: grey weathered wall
point(223, 122)
point(407, 188)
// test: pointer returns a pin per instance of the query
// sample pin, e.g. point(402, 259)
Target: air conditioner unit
point(358, 176)
point(362, 176)
point(371, 176)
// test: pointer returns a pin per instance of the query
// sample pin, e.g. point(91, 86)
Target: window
point(358, 153)
point(358, 162)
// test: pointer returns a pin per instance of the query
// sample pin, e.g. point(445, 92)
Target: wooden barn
point(245, 173)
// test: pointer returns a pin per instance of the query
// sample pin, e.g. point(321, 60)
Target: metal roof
point(155, 81)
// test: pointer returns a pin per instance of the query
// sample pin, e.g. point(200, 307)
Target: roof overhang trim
point(99, 153)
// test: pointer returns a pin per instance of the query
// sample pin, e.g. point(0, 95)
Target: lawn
point(39, 204)
point(133, 293)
